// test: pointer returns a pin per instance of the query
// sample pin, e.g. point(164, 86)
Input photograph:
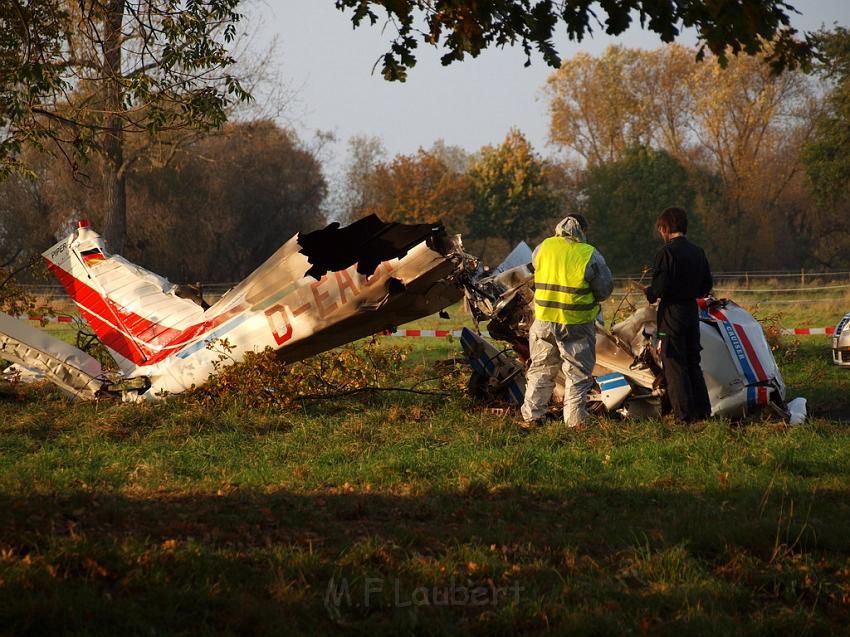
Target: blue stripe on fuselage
point(738, 347)
point(217, 333)
point(613, 384)
point(611, 381)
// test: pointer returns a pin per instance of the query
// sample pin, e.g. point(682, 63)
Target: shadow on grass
point(588, 560)
point(810, 373)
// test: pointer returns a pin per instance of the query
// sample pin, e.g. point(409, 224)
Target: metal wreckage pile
point(333, 286)
point(740, 371)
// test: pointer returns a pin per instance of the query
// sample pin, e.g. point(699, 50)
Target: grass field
point(397, 514)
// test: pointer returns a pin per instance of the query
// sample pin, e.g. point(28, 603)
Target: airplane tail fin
point(136, 313)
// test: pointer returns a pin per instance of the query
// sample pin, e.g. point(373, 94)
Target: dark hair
point(672, 220)
point(582, 221)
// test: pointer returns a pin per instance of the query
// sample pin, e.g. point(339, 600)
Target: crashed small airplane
point(740, 371)
point(841, 342)
point(333, 286)
point(319, 290)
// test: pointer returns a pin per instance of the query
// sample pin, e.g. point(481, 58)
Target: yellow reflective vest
point(561, 294)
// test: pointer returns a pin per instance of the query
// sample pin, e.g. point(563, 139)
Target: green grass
point(180, 519)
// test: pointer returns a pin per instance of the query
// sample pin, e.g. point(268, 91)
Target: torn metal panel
point(841, 342)
point(72, 370)
point(319, 290)
point(494, 372)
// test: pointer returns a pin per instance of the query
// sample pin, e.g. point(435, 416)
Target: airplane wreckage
point(333, 286)
point(841, 342)
point(740, 371)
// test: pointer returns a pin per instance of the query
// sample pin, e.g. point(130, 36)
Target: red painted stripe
point(830, 330)
point(801, 330)
point(135, 325)
point(92, 306)
point(751, 354)
point(442, 333)
point(114, 339)
point(748, 348)
point(169, 339)
point(91, 303)
point(64, 319)
point(413, 333)
point(718, 314)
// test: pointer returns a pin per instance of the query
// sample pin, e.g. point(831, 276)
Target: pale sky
point(328, 66)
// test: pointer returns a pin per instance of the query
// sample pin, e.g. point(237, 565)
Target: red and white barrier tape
point(455, 333)
point(46, 319)
point(808, 330)
point(787, 331)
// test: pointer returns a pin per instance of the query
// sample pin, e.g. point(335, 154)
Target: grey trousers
point(573, 349)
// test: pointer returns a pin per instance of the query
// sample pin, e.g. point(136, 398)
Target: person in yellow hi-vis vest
point(570, 280)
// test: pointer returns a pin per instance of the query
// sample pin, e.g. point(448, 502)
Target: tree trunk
point(114, 187)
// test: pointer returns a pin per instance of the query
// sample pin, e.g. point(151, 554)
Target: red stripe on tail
point(127, 329)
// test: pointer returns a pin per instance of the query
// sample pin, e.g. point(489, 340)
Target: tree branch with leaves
point(468, 27)
point(79, 76)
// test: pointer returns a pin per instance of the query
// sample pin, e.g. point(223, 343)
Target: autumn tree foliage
point(600, 107)
point(736, 129)
point(825, 153)
point(504, 192)
point(354, 186)
point(511, 198)
point(418, 188)
point(237, 196)
point(622, 199)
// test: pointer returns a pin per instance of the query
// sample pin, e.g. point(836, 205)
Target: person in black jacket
point(680, 276)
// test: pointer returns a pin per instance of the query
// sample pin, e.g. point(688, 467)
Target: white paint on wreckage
point(841, 342)
point(155, 334)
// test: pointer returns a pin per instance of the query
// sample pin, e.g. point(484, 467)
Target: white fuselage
point(841, 342)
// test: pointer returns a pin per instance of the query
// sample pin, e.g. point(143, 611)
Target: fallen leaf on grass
point(94, 568)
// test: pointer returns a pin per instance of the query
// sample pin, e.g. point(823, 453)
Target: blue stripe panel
point(613, 384)
point(224, 329)
point(743, 360)
point(481, 364)
point(614, 376)
point(608, 382)
point(842, 325)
